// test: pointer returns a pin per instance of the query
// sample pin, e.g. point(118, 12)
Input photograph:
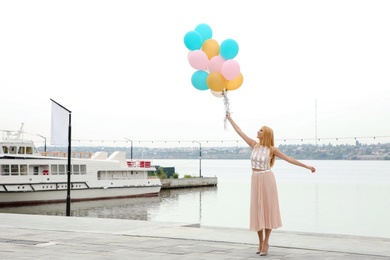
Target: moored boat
point(30, 177)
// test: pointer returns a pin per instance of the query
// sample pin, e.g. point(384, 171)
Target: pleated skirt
point(264, 203)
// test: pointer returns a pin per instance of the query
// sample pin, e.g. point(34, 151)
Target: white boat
point(30, 177)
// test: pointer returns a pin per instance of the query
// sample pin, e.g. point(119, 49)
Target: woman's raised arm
point(247, 139)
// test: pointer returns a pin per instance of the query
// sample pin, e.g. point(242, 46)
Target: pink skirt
point(264, 208)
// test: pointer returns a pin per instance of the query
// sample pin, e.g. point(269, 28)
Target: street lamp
point(200, 158)
point(45, 141)
point(131, 149)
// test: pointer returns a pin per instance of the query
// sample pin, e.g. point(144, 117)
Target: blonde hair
point(268, 141)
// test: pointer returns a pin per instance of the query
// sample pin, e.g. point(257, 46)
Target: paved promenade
point(58, 237)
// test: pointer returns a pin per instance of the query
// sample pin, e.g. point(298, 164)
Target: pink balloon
point(198, 59)
point(230, 69)
point(215, 64)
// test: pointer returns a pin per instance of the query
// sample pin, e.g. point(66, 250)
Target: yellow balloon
point(211, 48)
point(235, 83)
point(216, 82)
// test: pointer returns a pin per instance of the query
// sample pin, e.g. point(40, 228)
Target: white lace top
point(260, 158)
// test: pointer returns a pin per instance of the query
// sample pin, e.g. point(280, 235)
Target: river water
point(342, 197)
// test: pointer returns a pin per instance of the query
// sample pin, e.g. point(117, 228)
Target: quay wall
point(188, 182)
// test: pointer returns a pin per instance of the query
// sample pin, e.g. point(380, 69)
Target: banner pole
point(69, 166)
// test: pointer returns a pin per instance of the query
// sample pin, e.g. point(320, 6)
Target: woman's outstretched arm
point(291, 160)
point(247, 139)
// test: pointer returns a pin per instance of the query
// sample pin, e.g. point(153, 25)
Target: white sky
point(121, 67)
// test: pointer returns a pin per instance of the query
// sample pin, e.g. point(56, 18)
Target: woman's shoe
point(258, 250)
point(264, 252)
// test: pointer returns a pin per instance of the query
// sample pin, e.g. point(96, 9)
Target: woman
point(264, 203)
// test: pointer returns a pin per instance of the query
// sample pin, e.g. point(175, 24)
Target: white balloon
point(218, 94)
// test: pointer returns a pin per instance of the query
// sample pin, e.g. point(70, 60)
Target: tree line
point(299, 151)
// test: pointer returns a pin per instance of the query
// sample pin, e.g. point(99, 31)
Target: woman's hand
point(311, 168)
point(228, 115)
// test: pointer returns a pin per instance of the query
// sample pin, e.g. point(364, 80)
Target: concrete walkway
point(58, 237)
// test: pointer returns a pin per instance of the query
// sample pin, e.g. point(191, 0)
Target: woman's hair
point(268, 141)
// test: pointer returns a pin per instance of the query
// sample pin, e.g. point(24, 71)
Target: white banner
point(59, 125)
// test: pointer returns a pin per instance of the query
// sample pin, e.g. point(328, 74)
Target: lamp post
point(45, 141)
point(200, 158)
point(131, 148)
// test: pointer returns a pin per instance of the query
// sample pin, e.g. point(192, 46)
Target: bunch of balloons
point(215, 66)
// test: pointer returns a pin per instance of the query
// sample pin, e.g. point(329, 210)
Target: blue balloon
point(205, 31)
point(199, 79)
point(228, 49)
point(193, 40)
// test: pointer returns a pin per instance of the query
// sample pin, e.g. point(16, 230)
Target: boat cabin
point(20, 148)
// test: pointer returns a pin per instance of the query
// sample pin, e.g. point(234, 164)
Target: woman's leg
point(261, 240)
point(265, 246)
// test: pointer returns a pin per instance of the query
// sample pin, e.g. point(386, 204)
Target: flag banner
point(59, 125)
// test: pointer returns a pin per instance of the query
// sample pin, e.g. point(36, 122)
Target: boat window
point(21, 150)
point(29, 150)
point(36, 170)
point(101, 175)
point(76, 169)
point(61, 169)
point(5, 149)
point(14, 169)
point(12, 149)
point(23, 169)
point(83, 169)
point(5, 169)
point(54, 169)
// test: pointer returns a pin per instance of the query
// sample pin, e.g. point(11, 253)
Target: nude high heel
point(258, 250)
point(264, 252)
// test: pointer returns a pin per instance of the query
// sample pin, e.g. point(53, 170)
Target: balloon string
point(227, 107)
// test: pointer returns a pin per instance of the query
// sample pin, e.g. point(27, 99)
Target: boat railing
point(86, 155)
point(139, 163)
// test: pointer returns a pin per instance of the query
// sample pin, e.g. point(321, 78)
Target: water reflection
point(176, 193)
point(129, 208)
point(150, 208)
point(184, 205)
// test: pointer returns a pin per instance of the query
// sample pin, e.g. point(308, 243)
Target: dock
point(58, 237)
point(189, 182)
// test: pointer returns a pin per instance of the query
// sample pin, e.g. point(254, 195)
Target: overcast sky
point(121, 67)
